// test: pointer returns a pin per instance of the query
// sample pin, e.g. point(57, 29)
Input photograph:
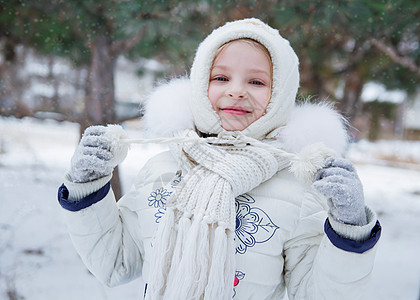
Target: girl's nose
point(236, 91)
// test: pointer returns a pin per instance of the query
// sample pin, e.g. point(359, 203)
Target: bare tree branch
point(125, 45)
point(393, 54)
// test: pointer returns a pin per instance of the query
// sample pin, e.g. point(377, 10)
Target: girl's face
point(240, 84)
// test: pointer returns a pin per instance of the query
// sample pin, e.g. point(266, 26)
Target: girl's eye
point(256, 82)
point(221, 79)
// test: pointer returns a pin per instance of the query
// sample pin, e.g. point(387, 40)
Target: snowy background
point(37, 260)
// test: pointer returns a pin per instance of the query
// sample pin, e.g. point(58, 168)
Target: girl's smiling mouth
point(235, 110)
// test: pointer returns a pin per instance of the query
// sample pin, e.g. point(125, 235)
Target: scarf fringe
point(191, 275)
point(204, 259)
point(183, 227)
point(180, 284)
point(222, 272)
point(163, 244)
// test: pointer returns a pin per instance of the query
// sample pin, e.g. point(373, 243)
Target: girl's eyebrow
point(259, 71)
point(223, 67)
point(252, 70)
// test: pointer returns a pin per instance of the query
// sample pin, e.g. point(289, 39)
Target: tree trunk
point(100, 98)
point(12, 84)
point(52, 80)
point(351, 103)
point(100, 101)
point(399, 123)
point(311, 82)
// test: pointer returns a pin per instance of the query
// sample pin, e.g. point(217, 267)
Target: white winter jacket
point(284, 237)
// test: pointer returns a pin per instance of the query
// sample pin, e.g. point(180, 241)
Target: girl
point(253, 198)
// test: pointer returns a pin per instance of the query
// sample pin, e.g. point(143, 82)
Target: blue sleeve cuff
point(63, 194)
point(352, 245)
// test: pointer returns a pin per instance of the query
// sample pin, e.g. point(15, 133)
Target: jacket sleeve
point(322, 264)
point(108, 235)
point(102, 236)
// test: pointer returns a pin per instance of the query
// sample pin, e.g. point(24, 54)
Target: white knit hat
point(285, 77)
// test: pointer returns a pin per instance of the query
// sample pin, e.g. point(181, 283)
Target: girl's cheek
point(212, 94)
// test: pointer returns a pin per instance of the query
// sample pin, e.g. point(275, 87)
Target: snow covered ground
point(37, 260)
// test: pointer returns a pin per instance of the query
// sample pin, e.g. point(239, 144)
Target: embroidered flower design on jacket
point(253, 225)
point(238, 277)
point(177, 179)
point(158, 198)
point(160, 213)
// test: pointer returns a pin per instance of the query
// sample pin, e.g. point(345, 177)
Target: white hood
point(285, 77)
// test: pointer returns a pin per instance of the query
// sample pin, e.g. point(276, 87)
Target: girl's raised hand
point(99, 151)
point(340, 184)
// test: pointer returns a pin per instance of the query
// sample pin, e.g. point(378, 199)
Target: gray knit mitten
point(339, 183)
point(98, 153)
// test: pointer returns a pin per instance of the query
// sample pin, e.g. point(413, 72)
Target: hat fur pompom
point(115, 133)
point(168, 109)
point(309, 161)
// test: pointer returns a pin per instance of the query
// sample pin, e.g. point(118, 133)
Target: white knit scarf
point(194, 246)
